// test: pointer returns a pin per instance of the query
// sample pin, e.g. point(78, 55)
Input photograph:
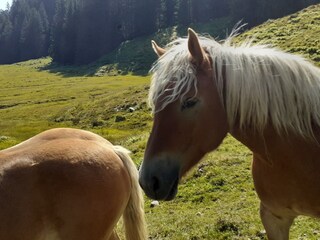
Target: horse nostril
point(156, 184)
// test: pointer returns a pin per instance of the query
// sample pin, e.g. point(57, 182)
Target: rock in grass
point(154, 203)
point(131, 109)
point(3, 138)
point(120, 118)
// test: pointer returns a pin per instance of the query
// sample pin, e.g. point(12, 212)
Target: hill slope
point(136, 56)
point(298, 33)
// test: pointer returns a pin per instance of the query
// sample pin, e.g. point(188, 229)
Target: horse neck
point(273, 146)
point(255, 141)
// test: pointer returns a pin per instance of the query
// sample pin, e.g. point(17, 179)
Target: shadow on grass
point(99, 69)
point(115, 63)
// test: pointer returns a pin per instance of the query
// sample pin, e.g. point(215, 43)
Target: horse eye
point(189, 103)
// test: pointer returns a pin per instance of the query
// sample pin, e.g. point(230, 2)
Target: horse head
point(189, 117)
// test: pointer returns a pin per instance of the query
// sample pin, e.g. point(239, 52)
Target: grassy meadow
point(216, 200)
point(32, 99)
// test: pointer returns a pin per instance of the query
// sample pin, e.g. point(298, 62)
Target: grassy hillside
point(217, 199)
point(298, 33)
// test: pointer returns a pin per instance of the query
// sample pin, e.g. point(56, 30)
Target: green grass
point(216, 200)
point(32, 100)
point(297, 33)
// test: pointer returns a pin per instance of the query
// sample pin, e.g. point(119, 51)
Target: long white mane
point(258, 85)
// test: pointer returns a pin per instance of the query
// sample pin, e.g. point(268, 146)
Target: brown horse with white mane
point(68, 184)
point(267, 99)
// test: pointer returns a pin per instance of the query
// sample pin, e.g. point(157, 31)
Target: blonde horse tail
point(133, 216)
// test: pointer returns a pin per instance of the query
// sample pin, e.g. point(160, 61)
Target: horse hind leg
point(277, 227)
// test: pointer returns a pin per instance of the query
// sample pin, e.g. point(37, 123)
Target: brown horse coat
point(66, 184)
point(267, 99)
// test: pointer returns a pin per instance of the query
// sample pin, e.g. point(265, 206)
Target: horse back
point(61, 184)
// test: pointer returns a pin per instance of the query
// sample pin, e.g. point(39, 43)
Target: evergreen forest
point(76, 32)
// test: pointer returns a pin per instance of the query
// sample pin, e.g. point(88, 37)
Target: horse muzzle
point(160, 179)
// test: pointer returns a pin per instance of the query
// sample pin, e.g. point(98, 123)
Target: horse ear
point(194, 47)
point(158, 50)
